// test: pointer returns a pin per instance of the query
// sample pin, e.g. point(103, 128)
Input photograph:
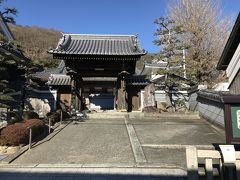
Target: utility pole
point(184, 64)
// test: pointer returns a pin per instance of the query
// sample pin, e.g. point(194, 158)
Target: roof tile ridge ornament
point(49, 79)
point(136, 42)
point(63, 41)
point(123, 73)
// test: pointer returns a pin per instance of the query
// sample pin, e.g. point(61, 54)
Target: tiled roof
point(85, 44)
point(45, 75)
point(231, 46)
point(137, 80)
point(218, 96)
point(153, 68)
point(100, 79)
point(59, 80)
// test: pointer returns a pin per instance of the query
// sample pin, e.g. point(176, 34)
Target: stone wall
point(212, 111)
point(209, 105)
point(192, 102)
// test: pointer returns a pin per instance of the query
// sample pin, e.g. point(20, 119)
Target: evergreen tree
point(11, 70)
point(171, 47)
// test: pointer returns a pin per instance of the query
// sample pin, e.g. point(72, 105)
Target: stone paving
point(90, 142)
point(107, 141)
point(124, 143)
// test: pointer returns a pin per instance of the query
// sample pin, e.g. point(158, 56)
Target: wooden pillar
point(72, 93)
point(121, 100)
point(115, 98)
point(78, 93)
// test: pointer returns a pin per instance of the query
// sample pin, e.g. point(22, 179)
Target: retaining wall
point(209, 105)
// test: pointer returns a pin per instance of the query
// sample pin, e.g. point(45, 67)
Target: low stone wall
point(212, 111)
point(209, 104)
point(192, 102)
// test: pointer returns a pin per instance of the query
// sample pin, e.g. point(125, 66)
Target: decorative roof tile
point(59, 80)
point(88, 44)
point(46, 73)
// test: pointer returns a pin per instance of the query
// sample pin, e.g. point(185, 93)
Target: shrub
point(37, 126)
point(65, 115)
point(18, 133)
point(14, 134)
point(30, 115)
point(54, 116)
point(13, 117)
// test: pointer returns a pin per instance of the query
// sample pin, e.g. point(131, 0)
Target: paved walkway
point(125, 142)
point(116, 147)
point(90, 142)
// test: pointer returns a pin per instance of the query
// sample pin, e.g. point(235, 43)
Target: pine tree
point(171, 48)
point(11, 70)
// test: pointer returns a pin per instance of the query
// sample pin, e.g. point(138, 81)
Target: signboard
point(235, 114)
point(232, 118)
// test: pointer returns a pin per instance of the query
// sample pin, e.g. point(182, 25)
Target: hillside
point(35, 42)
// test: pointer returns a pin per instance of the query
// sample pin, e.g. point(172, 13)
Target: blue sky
point(100, 16)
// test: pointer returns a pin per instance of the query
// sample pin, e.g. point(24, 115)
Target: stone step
point(131, 115)
point(105, 116)
point(191, 115)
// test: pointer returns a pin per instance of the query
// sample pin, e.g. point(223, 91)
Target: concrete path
point(138, 145)
point(90, 142)
point(125, 141)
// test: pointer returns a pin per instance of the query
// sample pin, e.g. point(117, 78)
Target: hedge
point(18, 133)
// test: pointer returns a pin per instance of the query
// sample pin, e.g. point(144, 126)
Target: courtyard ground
point(114, 146)
point(126, 141)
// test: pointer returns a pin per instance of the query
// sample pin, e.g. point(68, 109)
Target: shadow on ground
point(97, 173)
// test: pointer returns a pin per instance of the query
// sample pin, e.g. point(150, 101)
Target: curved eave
point(95, 54)
point(230, 47)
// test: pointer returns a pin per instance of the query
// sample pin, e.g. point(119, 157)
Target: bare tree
point(206, 32)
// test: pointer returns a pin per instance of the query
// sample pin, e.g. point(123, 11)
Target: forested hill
point(35, 42)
